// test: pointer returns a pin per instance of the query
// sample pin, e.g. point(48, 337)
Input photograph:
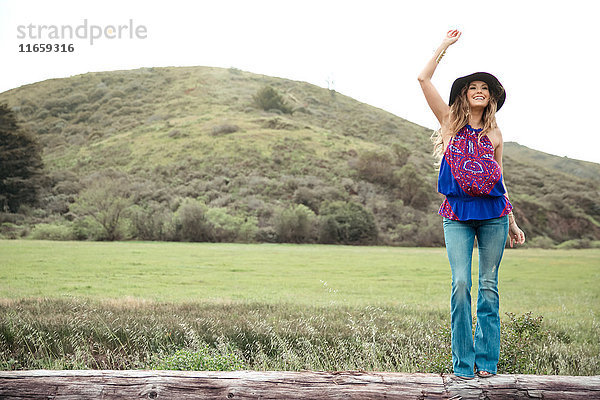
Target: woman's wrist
point(445, 44)
point(441, 51)
point(511, 219)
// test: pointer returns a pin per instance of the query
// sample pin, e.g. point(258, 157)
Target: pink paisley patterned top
point(471, 179)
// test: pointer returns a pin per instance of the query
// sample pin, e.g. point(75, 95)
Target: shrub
point(267, 234)
point(201, 359)
point(402, 153)
point(587, 204)
point(428, 231)
point(575, 244)
point(268, 98)
point(224, 129)
point(228, 228)
point(97, 94)
point(153, 221)
point(9, 230)
point(307, 197)
point(542, 242)
point(87, 229)
point(328, 230)
point(176, 133)
point(302, 109)
point(51, 232)
point(294, 224)
point(74, 100)
point(439, 354)
point(278, 123)
point(520, 336)
point(82, 117)
point(196, 222)
point(67, 187)
point(106, 200)
point(413, 188)
point(348, 223)
point(98, 117)
point(557, 203)
point(248, 230)
point(417, 228)
point(191, 222)
point(116, 93)
point(13, 218)
point(375, 166)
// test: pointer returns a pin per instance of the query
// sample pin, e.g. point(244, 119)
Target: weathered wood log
point(94, 384)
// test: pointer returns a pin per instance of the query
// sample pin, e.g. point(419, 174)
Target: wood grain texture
point(94, 384)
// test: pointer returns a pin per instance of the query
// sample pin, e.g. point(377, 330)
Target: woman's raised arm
point(435, 101)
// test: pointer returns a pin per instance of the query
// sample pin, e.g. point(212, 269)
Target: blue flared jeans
point(481, 351)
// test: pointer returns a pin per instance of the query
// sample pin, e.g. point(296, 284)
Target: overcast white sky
point(544, 52)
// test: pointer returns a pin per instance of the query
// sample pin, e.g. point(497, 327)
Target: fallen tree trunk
point(94, 384)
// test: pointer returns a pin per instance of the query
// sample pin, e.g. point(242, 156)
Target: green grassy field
point(304, 306)
point(561, 285)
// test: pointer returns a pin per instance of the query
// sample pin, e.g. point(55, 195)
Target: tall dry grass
point(74, 334)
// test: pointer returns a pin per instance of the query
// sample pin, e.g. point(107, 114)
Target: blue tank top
point(471, 179)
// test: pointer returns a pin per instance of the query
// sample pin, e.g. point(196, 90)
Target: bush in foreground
point(203, 358)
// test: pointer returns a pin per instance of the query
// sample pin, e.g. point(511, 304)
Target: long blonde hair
point(459, 117)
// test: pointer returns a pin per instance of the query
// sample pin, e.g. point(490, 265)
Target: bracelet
point(439, 58)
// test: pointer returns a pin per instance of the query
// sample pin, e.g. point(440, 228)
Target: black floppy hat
point(494, 84)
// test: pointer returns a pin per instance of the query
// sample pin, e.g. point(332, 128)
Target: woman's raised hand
point(452, 36)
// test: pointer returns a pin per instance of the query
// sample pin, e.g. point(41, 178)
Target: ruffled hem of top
point(474, 208)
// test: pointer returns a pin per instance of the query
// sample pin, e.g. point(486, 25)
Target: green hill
point(188, 155)
point(578, 168)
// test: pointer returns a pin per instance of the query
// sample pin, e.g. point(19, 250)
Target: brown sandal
point(466, 378)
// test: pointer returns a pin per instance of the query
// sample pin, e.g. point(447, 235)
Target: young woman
point(469, 144)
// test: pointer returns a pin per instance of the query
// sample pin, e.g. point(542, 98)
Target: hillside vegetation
point(190, 154)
